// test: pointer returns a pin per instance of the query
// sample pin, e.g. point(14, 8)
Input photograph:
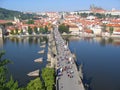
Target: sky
point(57, 5)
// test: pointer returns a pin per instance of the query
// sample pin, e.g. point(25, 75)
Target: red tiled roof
point(88, 31)
point(4, 21)
point(117, 30)
point(113, 25)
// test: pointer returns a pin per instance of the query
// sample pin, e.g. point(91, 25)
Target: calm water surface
point(100, 58)
point(23, 52)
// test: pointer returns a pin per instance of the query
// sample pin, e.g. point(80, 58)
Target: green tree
point(30, 31)
point(22, 32)
point(36, 30)
point(46, 29)
point(30, 21)
point(11, 84)
point(48, 75)
point(91, 14)
point(4, 85)
point(3, 68)
point(12, 32)
point(84, 15)
point(16, 31)
point(111, 30)
point(35, 84)
point(62, 28)
point(42, 30)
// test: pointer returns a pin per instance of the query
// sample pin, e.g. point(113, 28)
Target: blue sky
point(57, 5)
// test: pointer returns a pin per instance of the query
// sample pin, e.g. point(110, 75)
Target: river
point(100, 58)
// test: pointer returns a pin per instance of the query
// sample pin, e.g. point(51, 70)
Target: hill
point(6, 14)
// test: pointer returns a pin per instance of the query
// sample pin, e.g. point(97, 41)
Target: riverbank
point(77, 35)
point(91, 35)
point(26, 35)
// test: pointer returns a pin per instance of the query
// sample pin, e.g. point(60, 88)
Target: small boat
point(38, 60)
point(34, 73)
point(42, 51)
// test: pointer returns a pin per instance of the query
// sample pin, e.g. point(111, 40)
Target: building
point(74, 29)
point(97, 29)
point(113, 12)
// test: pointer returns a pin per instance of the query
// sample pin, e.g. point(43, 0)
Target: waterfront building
point(74, 29)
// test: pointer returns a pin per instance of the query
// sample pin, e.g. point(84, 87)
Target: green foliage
point(46, 29)
point(36, 30)
point(27, 16)
point(35, 84)
point(84, 15)
point(98, 15)
point(111, 30)
point(16, 31)
point(91, 14)
point(3, 68)
point(7, 24)
point(12, 32)
point(43, 30)
point(62, 28)
point(11, 84)
point(48, 77)
point(9, 14)
point(30, 31)
point(22, 31)
point(30, 21)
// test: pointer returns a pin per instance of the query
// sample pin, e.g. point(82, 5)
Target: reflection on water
point(1, 42)
point(101, 60)
point(103, 41)
point(100, 57)
point(23, 51)
point(30, 40)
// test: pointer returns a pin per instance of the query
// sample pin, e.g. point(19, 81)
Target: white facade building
point(96, 29)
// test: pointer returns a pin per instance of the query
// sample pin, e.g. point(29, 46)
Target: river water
point(100, 58)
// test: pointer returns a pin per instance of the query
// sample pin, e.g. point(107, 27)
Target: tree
point(30, 31)
point(10, 85)
point(30, 22)
point(16, 31)
point(42, 30)
point(91, 14)
point(12, 32)
point(22, 32)
point(35, 84)
point(48, 75)
point(62, 28)
point(111, 30)
point(3, 68)
point(46, 29)
point(84, 15)
point(36, 30)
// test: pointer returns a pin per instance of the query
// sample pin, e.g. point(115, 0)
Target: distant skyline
point(57, 5)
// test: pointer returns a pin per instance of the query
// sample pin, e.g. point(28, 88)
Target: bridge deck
point(67, 73)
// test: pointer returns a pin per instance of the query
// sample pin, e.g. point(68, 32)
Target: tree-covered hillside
point(9, 14)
